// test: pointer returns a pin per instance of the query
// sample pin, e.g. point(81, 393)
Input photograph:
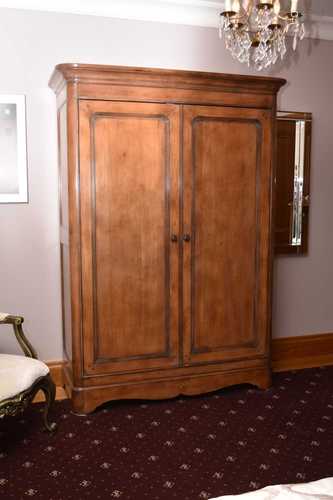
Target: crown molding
point(188, 12)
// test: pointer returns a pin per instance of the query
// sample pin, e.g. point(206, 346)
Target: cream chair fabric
point(18, 373)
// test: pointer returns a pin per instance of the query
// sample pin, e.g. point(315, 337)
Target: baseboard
point(306, 351)
point(57, 374)
point(290, 353)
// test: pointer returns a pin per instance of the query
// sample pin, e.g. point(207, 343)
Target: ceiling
point(319, 13)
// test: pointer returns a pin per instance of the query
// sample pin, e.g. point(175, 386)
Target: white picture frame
point(13, 150)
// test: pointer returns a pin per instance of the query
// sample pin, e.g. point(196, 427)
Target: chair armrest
point(17, 321)
point(9, 319)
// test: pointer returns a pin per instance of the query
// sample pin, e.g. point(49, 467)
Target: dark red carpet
point(228, 442)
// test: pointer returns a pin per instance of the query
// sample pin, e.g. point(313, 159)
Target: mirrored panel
point(292, 181)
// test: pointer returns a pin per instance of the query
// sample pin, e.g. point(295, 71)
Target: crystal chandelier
point(255, 30)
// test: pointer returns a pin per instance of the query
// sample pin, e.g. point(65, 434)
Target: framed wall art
point(13, 150)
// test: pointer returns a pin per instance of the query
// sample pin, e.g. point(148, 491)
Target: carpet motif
point(228, 442)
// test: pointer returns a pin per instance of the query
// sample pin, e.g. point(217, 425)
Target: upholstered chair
point(21, 377)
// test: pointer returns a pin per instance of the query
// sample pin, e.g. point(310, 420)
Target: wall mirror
point(13, 150)
point(292, 196)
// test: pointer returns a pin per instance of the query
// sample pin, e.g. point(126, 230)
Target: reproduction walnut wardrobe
point(166, 196)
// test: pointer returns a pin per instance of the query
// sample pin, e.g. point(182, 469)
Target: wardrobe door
point(129, 196)
point(226, 227)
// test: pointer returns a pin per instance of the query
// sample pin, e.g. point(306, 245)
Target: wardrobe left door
point(129, 206)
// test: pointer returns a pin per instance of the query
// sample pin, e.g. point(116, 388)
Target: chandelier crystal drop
point(255, 31)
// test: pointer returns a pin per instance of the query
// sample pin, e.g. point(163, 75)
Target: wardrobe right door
point(227, 185)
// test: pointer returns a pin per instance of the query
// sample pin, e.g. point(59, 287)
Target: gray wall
point(31, 45)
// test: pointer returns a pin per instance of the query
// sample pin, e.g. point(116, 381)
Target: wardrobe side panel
point(64, 225)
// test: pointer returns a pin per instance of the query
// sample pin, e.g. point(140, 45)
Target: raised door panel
point(227, 200)
point(129, 209)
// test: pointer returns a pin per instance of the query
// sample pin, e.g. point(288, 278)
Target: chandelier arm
point(290, 19)
point(234, 17)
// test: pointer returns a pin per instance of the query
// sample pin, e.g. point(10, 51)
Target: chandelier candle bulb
point(246, 4)
point(235, 6)
point(277, 7)
point(228, 6)
point(293, 6)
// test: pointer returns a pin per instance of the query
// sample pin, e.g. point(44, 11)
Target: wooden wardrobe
point(166, 213)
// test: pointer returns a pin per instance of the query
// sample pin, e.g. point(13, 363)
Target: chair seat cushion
point(18, 373)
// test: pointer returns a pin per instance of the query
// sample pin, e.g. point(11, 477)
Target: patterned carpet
point(228, 442)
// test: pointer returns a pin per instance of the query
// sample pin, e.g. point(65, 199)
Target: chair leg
point(49, 391)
